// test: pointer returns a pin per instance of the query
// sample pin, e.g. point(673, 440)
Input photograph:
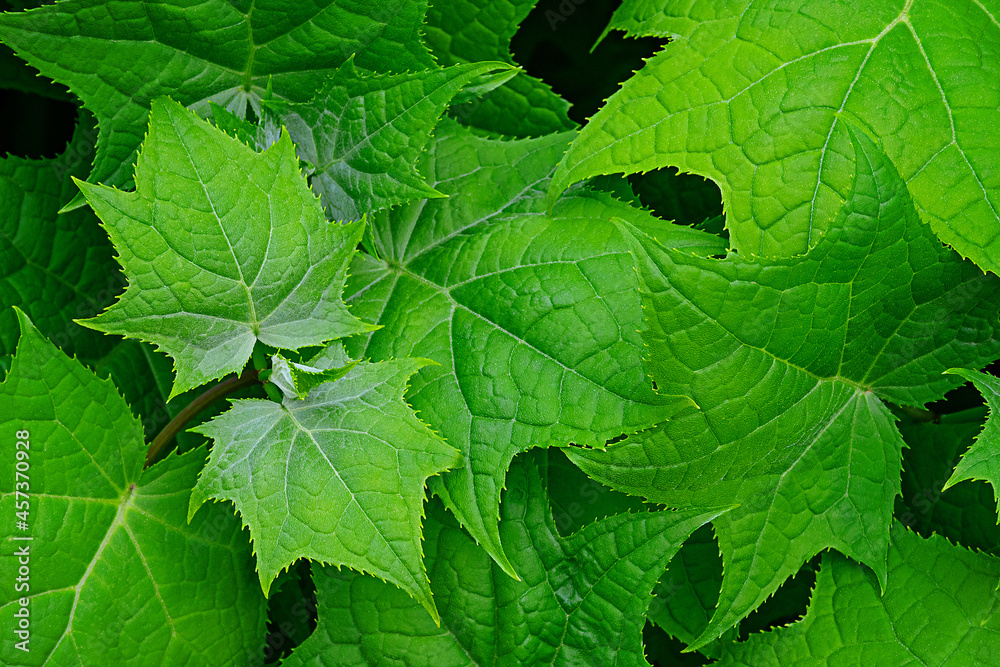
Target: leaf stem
point(919, 414)
point(177, 424)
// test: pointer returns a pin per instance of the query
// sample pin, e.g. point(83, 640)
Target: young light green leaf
point(939, 608)
point(362, 133)
point(532, 317)
point(54, 267)
point(789, 361)
point(118, 57)
point(338, 477)
point(222, 246)
point(757, 98)
point(469, 31)
point(982, 461)
point(581, 599)
point(116, 574)
point(297, 380)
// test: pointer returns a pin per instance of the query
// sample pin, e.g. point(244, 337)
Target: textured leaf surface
point(756, 96)
point(982, 461)
point(532, 317)
point(468, 31)
point(581, 599)
point(790, 361)
point(939, 609)
point(118, 55)
point(338, 477)
point(363, 133)
point(117, 575)
point(54, 267)
point(222, 246)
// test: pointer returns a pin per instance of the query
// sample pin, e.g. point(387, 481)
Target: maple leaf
point(362, 134)
point(939, 608)
point(117, 57)
point(222, 246)
point(337, 477)
point(469, 31)
point(790, 361)
point(581, 598)
point(758, 99)
point(116, 573)
point(532, 317)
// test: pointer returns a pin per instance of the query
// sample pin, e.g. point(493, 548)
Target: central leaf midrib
point(255, 323)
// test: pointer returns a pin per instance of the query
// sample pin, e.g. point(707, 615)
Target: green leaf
point(790, 361)
point(143, 377)
point(222, 246)
point(964, 513)
point(581, 599)
point(363, 133)
point(982, 461)
point(939, 608)
point(469, 31)
point(297, 380)
point(685, 596)
point(532, 317)
point(338, 477)
point(758, 99)
point(117, 56)
point(116, 574)
point(578, 501)
point(54, 267)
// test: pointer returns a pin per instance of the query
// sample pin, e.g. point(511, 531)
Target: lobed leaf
point(116, 574)
point(982, 461)
point(470, 31)
point(222, 246)
point(789, 361)
point(758, 98)
point(531, 317)
point(363, 133)
point(581, 599)
point(117, 56)
point(337, 477)
point(938, 608)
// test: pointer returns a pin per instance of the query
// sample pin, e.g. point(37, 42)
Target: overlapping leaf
point(222, 246)
point(939, 608)
point(964, 513)
point(363, 134)
point(468, 31)
point(117, 56)
point(789, 362)
point(982, 461)
point(580, 600)
point(757, 97)
point(337, 477)
point(54, 267)
point(532, 317)
point(116, 574)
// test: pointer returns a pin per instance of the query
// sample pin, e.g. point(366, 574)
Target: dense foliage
point(331, 338)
